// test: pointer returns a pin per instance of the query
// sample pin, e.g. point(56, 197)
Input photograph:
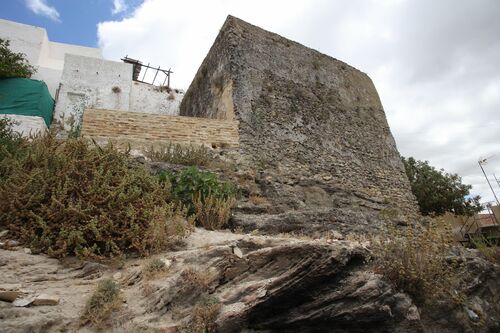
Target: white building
point(46, 56)
point(78, 77)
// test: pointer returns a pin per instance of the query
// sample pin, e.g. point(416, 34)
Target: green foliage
point(415, 260)
point(489, 249)
point(13, 64)
point(155, 265)
point(69, 197)
point(9, 140)
point(101, 304)
point(192, 182)
point(180, 154)
point(438, 192)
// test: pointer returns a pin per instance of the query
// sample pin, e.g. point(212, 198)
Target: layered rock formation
point(313, 132)
point(259, 284)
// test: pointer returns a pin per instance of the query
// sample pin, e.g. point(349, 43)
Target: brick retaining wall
point(154, 128)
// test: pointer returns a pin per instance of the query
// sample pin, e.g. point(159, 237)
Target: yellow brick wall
point(138, 127)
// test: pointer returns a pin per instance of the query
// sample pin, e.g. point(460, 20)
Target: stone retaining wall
point(154, 128)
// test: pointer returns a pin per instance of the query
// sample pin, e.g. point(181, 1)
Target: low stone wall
point(138, 127)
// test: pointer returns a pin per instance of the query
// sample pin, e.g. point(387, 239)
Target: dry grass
point(180, 154)
point(488, 249)
point(154, 268)
point(104, 300)
point(415, 261)
point(257, 200)
point(204, 316)
point(196, 279)
point(212, 212)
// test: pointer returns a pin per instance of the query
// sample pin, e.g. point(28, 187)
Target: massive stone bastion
point(311, 127)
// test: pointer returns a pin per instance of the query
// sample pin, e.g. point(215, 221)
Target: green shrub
point(69, 197)
point(13, 64)
point(192, 182)
point(104, 300)
point(9, 140)
point(415, 261)
point(180, 154)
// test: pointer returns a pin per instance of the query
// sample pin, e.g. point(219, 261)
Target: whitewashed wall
point(91, 83)
point(26, 125)
point(46, 56)
point(150, 99)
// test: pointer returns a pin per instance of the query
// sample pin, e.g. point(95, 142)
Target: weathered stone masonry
point(312, 126)
point(147, 128)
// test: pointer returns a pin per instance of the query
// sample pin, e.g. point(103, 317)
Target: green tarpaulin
point(26, 97)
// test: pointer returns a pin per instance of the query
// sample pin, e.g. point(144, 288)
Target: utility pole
point(480, 162)
point(498, 183)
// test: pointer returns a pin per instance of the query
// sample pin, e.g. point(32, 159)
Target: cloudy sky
point(435, 63)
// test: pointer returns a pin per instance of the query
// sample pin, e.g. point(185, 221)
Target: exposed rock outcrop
point(260, 283)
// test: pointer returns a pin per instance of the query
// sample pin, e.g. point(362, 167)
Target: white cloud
point(40, 7)
point(435, 64)
point(118, 7)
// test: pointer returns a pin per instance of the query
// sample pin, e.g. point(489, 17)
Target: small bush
point(69, 197)
point(104, 300)
point(180, 154)
point(9, 140)
point(13, 64)
point(488, 249)
point(193, 183)
point(415, 261)
point(212, 213)
point(204, 316)
point(154, 268)
point(195, 279)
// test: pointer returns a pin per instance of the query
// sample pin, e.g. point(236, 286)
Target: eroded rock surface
point(262, 283)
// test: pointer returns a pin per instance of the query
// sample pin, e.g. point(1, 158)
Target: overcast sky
point(435, 63)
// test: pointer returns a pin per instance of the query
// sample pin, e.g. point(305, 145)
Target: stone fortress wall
point(312, 126)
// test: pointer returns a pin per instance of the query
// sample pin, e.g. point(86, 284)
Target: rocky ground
point(259, 284)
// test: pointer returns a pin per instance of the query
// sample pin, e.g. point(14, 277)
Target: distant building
point(78, 78)
point(46, 56)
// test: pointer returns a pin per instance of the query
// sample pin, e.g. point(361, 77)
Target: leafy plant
point(9, 139)
point(69, 197)
point(13, 64)
point(438, 192)
point(180, 154)
point(102, 303)
point(415, 261)
point(192, 182)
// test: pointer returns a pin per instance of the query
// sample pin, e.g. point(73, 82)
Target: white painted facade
point(103, 84)
point(78, 78)
point(26, 125)
point(46, 56)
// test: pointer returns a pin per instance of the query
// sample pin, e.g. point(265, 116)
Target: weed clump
point(104, 300)
point(416, 261)
point(71, 197)
point(204, 316)
point(180, 154)
point(212, 213)
point(203, 195)
point(154, 267)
